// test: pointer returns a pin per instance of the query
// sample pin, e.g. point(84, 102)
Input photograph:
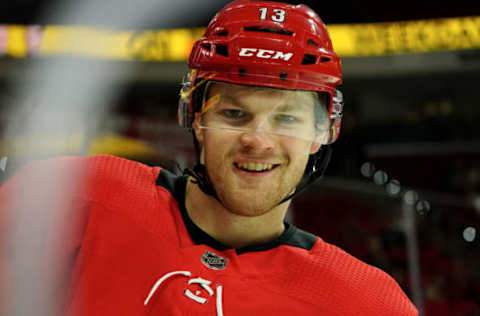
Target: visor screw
point(283, 76)
point(242, 72)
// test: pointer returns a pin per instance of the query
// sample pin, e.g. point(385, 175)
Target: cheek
point(215, 149)
point(298, 152)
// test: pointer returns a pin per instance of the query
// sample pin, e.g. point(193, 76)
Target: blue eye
point(284, 118)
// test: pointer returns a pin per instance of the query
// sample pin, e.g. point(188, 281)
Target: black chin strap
point(316, 166)
point(200, 174)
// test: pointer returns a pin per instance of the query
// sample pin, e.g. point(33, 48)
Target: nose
point(257, 140)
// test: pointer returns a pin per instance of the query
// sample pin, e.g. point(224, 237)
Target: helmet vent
point(312, 43)
point(324, 59)
point(267, 30)
point(283, 76)
point(222, 33)
point(309, 59)
point(222, 50)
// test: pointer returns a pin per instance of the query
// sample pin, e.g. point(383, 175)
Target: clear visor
point(295, 114)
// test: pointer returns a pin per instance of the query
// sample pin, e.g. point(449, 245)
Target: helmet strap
point(199, 172)
point(316, 167)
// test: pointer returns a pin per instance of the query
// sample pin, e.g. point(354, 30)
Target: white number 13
point(277, 16)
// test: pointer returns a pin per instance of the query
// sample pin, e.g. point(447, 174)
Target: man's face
point(249, 146)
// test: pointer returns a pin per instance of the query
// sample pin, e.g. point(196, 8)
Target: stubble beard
point(253, 200)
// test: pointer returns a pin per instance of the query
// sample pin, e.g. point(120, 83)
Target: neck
point(231, 229)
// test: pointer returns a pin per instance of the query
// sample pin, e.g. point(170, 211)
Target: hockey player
point(262, 103)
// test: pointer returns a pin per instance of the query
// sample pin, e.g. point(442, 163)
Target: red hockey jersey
point(128, 247)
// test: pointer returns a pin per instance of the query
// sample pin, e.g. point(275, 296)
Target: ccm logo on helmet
point(264, 53)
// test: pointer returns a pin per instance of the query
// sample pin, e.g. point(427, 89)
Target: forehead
point(243, 94)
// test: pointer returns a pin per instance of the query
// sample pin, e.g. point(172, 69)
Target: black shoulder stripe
point(173, 183)
point(301, 239)
point(292, 236)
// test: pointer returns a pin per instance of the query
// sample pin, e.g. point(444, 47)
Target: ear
point(198, 131)
point(321, 139)
point(314, 147)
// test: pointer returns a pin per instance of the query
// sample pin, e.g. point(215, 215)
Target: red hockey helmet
point(269, 44)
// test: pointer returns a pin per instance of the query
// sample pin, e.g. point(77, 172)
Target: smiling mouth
point(255, 167)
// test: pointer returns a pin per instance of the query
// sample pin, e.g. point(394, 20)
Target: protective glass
point(295, 114)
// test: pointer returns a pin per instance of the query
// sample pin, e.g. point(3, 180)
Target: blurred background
point(402, 191)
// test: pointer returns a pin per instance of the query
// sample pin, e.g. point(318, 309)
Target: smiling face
point(251, 144)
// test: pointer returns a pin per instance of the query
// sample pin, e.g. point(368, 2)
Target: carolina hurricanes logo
point(264, 53)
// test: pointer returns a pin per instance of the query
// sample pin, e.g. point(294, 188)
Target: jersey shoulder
point(104, 179)
point(115, 181)
point(362, 288)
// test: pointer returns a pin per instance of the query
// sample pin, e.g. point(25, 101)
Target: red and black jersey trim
point(176, 185)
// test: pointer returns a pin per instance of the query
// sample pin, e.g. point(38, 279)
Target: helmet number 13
point(278, 15)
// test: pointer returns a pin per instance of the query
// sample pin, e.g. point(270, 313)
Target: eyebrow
point(231, 99)
point(283, 107)
point(290, 107)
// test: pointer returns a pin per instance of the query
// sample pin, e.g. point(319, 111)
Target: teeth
point(255, 166)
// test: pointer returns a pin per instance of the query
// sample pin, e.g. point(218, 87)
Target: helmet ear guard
point(185, 113)
point(336, 114)
point(191, 97)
